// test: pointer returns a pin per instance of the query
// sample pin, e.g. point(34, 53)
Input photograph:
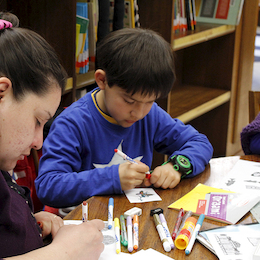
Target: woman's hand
point(82, 241)
point(50, 223)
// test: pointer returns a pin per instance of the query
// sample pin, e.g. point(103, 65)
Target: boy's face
point(126, 109)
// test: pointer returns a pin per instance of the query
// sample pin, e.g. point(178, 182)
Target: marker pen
point(183, 239)
point(185, 217)
point(129, 159)
point(195, 233)
point(178, 223)
point(135, 231)
point(166, 229)
point(117, 235)
point(129, 233)
point(159, 227)
point(123, 231)
point(110, 212)
point(84, 211)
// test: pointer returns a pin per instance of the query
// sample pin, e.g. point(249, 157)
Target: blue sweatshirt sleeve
point(61, 181)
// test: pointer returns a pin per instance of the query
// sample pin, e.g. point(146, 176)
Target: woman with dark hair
point(31, 83)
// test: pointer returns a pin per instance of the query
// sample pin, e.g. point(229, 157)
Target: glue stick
point(182, 241)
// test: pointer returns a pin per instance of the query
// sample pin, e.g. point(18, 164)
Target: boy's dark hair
point(29, 62)
point(137, 60)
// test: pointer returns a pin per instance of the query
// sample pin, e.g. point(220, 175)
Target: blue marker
point(110, 212)
point(195, 233)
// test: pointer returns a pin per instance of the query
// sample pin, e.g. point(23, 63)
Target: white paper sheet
point(110, 248)
point(233, 246)
point(140, 195)
point(234, 242)
point(244, 177)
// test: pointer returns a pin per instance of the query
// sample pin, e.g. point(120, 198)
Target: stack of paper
point(232, 242)
point(245, 178)
point(217, 204)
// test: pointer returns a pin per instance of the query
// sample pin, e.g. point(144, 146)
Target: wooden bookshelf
point(214, 63)
point(187, 107)
point(214, 72)
point(83, 80)
point(56, 21)
point(204, 32)
point(69, 85)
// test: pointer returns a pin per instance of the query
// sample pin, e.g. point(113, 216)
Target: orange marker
point(136, 231)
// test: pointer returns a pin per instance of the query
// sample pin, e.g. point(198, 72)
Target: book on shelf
point(129, 21)
point(178, 18)
point(190, 14)
point(184, 16)
point(77, 39)
point(93, 27)
point(82, 49)
point(219, 11)
point(217, 204)
point(129, 16)
point(81, 37)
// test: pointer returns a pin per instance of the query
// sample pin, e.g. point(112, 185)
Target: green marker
point(123, 231)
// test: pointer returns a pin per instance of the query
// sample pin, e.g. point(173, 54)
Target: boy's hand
point(164, 177)
point(132, 175)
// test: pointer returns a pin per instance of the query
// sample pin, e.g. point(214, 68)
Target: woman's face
point(22, 122)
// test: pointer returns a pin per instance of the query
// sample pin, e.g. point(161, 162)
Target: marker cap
point(132, 212)
point(187, 252)
point(124, 243)
point(162, 218)
point(116, 222)
point(181, 242)
point(135, 219)
point(130, 249)
point(129, 221)
point(111, 202)
point(167, 246)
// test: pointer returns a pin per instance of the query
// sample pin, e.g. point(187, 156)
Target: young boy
point(134, 68)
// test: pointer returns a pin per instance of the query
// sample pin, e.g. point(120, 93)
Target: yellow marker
point(117, 235)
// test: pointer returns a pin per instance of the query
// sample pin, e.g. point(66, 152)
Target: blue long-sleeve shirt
point(78, 158)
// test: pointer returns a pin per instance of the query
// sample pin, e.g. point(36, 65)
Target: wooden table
point(148, 236)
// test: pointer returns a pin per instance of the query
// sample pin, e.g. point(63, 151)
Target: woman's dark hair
point(137, 60)
point(29, 62)
point(10, 18)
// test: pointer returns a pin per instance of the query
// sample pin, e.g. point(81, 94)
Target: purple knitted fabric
point(247, 132)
